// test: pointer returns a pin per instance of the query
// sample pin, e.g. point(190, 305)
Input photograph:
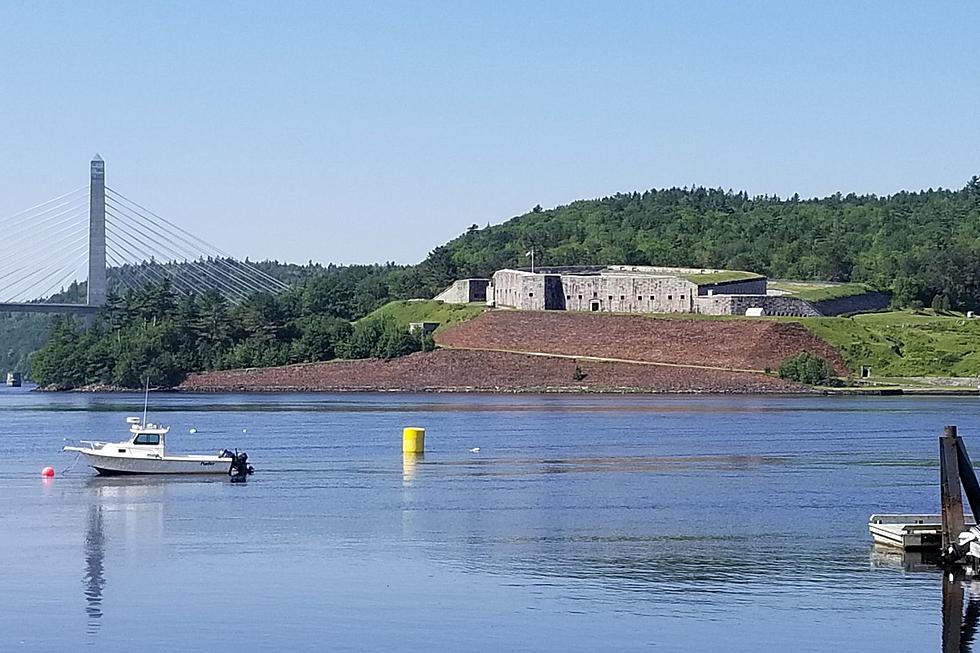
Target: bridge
point(106, 242)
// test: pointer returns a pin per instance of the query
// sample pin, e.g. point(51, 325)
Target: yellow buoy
point(413, 440)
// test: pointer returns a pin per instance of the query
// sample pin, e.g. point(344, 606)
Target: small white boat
point(145, 453)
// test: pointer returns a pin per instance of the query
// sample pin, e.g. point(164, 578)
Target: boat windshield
point(147, 438)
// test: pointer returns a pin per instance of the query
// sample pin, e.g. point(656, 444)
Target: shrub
point(809, 369)
point(380, 338)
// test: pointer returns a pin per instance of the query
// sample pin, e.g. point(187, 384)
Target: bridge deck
point(81, 309)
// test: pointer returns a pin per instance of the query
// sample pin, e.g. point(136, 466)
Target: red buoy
point(47, 472)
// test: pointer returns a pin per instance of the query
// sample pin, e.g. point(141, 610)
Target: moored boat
point(145, 453)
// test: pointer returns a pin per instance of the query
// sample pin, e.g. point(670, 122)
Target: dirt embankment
point(458, 370)
point(729, 344)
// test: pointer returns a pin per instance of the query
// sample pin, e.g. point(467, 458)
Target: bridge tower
point(96, 235)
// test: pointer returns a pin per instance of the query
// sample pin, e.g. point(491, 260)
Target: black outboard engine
point(240, 469)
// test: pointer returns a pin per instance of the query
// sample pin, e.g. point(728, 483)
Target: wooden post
point(949, 488)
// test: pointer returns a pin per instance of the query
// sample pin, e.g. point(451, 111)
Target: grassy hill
point(404, 312)
point(820, 292)
point(904, 343)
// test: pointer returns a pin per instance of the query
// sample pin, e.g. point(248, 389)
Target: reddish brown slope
point(482, 370)
point(730, 344)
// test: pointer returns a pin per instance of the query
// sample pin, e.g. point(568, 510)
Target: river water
point(583, 523)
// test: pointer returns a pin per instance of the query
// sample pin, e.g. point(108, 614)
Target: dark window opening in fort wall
point(554, 293)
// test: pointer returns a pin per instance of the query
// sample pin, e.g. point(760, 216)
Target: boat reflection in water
point(127, 511)
point(94, 578)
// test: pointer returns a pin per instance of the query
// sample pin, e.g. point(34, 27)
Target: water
point(582, 524)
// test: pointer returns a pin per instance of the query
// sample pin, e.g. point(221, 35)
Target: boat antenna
point(146, 399)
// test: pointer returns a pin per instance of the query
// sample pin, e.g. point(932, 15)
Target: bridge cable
point(190, 265)
point(67, 273)
point(56, 245)
point(25, 253)
point(178, 282)
point(211, 269)
point(275, 283)
point(28, 210)
point(181, 251)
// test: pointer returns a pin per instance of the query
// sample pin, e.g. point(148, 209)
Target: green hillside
point(904, 343)
point(820, 292)
point(21, 335)
point(404, 312)
point(915, 245)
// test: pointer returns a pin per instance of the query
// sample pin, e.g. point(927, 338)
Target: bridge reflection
point(94, 578)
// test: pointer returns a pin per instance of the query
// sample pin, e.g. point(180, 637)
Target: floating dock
point(909, 532)
point(952, 533)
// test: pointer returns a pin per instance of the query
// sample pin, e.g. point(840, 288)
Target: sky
point(362, 132)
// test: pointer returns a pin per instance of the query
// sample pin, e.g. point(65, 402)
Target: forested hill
point(913, 244)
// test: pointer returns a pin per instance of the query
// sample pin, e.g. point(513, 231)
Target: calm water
point(582, 524)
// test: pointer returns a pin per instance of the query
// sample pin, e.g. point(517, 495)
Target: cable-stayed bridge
point(99, 236)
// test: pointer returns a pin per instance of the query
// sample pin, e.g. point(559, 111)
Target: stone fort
point(634, 289)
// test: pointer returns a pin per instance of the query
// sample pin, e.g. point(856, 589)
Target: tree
point(319, 337)
point(807, 368)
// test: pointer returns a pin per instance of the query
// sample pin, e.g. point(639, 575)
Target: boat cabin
point(146, 435)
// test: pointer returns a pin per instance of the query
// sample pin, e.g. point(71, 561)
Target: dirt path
point(605, 359)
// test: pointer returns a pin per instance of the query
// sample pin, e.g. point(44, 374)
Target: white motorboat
point(145, 453)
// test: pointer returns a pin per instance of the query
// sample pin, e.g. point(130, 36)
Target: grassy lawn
point(904, 343)
point(720, 277)
point(818, 292)
point(428, 310)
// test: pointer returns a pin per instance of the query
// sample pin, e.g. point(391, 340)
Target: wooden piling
point(949, 486)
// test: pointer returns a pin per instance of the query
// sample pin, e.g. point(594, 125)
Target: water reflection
point(94, 578)
point(410, 462)
point(909, 560)
point(959, 628)
point(134, 507)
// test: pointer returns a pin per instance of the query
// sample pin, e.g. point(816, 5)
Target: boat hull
point(119, 465)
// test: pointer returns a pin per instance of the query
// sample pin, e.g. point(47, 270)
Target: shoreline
point(463, 390)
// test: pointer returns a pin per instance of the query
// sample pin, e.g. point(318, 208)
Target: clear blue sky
point(359, 132)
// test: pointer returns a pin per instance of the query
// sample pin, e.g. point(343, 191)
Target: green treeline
point(155, 333)
point(915, 245)
point(20, 335)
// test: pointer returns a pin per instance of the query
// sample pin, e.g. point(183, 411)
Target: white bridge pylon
point(112, 243)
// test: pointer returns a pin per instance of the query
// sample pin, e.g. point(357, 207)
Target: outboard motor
point(240, 469)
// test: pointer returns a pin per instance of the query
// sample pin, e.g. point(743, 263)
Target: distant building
point(629, 289)
point(619, 288)
point(422, 327)
point(465, 291)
